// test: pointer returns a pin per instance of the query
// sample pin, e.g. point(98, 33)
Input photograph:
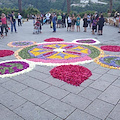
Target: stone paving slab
point(76, 101)
point(36, 84)
point(29, 111)
point(58, 108)
point(14, 86)
point(90, 93)
point(100, 84)
point(34, 96)
point(11, 100)
point(111, 95)
point(38, 96)
point(56, 92)
point(6, 114)
point(99, 109)
point(77, 115)
point(115, 113)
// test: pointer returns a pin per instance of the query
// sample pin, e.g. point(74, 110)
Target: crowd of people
point(70, 22)
point(4, 23)
point(94, 21)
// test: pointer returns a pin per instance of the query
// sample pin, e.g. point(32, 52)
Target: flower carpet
point(111, 48)
point(14, 67)
point(72, 74)
point(108, 61)
point(53, 40)
point(21, 43)
point(62, 53)
point(65, 55)
point(89, 41)
point(4, 53)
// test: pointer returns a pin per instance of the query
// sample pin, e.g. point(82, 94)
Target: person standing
point(94, 25)
point(73, 22)
point(89, 19)
point(100, 25)
point(63, 20)
point(59, 20)
point(119, 23)
point(19, 19)
point(47, 18)
point(78, 22)
point(54, 22)
point(4, 24)
point(69, 21)
point(1, 29)
point(85, 24)
point(13, 22)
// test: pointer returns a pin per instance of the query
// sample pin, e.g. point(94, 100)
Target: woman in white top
point(19, 19)
point(69, 20)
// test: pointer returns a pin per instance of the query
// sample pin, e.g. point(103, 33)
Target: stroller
point(37, 28)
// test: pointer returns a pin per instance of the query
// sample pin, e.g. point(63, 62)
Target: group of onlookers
point(95, 22)
point(5, 19)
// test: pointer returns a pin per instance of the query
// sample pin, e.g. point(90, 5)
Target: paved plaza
point(36, 95)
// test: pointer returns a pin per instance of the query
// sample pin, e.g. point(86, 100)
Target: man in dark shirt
point(13, 22)
point(63, 20)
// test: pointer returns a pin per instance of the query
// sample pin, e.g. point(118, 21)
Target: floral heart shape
point(72, 74)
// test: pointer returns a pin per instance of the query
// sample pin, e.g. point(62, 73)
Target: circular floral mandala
point(53, 40)
point(59, 53)
point(112, 62)
point(86, 41)
point(72, 74)
point(4, 53)
point(21, 43)
point(15, 67)
point(111, 48)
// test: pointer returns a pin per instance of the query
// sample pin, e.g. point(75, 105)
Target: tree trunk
point(68, 6)
point(20, 5)
point(111, 4)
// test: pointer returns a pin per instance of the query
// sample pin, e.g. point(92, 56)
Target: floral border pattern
point(27, 69)
point(21, 44)
point(95, 41)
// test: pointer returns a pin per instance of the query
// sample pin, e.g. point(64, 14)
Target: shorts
point(100, 27)
point(69, 24)
point(93, 27)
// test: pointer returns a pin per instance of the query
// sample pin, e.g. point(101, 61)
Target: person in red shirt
point(37, 27)
point(4, 24)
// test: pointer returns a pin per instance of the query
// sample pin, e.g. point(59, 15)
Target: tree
point(111, 4)
point(20, 6)
point(68, 6)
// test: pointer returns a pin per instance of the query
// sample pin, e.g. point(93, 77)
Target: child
point(37, 27)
